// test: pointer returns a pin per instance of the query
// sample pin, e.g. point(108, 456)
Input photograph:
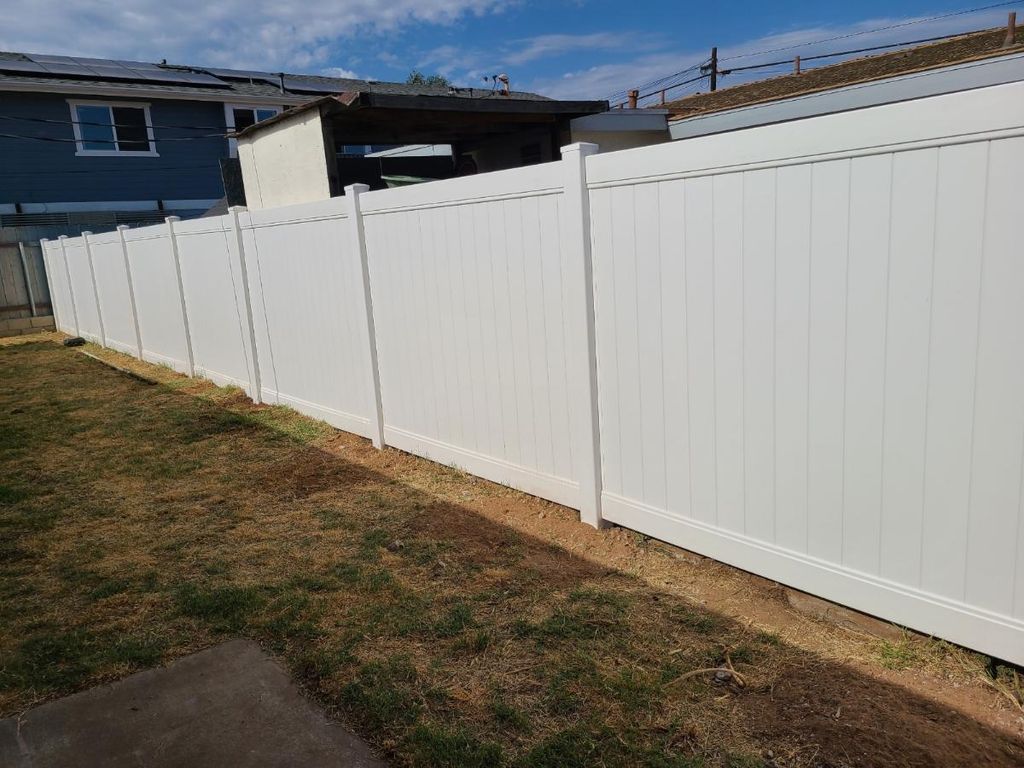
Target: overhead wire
point(57, 140)
point(910, 22)
point(886, 28)
point(54, 121)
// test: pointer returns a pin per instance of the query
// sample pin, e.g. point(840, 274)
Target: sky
point(561, 48)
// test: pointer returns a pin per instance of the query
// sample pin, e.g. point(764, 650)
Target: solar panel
point(47, 58)
point(110, 69)
point(311, 86)
point(71, 68)
point(244, 74)
point(199, 78)
point(15, 65)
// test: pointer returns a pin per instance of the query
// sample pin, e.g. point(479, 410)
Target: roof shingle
point(954, 50)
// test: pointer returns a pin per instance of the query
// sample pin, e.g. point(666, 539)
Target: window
point(240, 116)
point(112, 129)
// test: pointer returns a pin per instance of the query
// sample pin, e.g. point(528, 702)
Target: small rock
point(722, 677)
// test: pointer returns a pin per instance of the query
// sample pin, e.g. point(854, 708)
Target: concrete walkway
point(230, 705)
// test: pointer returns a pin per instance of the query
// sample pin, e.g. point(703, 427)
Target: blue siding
point(46, 172)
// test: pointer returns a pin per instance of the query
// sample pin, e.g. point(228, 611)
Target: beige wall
point(613, 141)
point(286, 163)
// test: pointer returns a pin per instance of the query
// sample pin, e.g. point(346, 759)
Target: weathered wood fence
point(24, 292)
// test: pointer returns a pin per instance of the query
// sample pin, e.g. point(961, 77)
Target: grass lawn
point(449, 621)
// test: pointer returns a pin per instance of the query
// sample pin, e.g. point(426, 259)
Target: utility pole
point(714, 68)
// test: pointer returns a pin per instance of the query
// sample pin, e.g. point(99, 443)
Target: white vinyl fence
point(798, 348)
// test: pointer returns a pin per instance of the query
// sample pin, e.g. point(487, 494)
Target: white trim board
point(556, 489)
point(349, 422)
point(972, 627)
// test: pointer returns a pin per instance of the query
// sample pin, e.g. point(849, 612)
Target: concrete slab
point(231, 705)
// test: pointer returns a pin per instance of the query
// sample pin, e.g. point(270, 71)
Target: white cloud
point(340, 72)
point(602, 80)
point(547, 46)
point(264, 34)
point(471, 65)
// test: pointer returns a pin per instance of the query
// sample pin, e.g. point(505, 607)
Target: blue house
point(87, 144)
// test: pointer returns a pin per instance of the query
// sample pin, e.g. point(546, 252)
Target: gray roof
point(233, 83)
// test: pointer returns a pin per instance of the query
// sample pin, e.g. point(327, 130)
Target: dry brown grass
point(448, 620)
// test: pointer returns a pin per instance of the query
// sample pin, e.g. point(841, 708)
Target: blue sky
point(567, 49)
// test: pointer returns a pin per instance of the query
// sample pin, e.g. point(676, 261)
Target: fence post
point(47, 266)
point(71, 288)
point(190, 362)
point(582, 352)
point(357, 241)
point(28, 278)
point(95, 288)
point(131, 289)
point(255, 383)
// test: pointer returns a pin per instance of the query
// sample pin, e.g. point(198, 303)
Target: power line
point(52, 121)
point(165, 169)
point(834, 54)
point(83, 141)
point(871, 31)
point(651, 85)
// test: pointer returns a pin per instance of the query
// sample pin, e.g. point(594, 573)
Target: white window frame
point(229, 120)
point(81, 151)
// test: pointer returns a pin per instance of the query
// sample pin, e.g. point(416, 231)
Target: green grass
point(226, 609)
point(899, 654)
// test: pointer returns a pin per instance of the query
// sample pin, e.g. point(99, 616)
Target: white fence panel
point(307, 299)
point(468, 298)
point(809, 341)
point(112, 287)
point(161, 326)
point(77, 269)
point(212, 282)
point(60, 289)
point(811, 355)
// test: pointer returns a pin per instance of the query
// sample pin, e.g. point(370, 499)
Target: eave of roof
point(954, 50)
point(438, 103)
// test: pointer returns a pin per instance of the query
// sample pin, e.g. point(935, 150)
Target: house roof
point(108, 77)
point(358, 117)
point(953, 50)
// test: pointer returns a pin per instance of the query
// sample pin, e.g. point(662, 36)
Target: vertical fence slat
point(131, 289)
point(48, 276)
point(71, 288)
point(582, 351)
point(255, 383)
point(357, 241)
point(28, 278)
point(190, 362)
point(95, 288)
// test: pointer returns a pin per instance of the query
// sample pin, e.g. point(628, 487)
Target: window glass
point(130, 123)
point(265, 114)
point(95, 127)
point(243, 118)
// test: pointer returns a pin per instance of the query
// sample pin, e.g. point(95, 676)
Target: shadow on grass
point(139, 523)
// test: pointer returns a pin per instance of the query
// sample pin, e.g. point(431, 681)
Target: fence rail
point(798, 348)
